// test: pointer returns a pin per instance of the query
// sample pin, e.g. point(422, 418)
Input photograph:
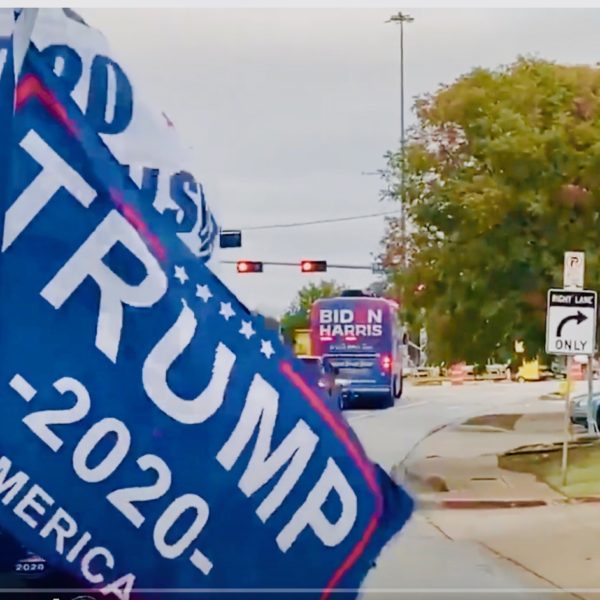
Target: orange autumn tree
point(502, 176)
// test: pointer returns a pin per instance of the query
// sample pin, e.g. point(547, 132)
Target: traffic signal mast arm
point(300, 264)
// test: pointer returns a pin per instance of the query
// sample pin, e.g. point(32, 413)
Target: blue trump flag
point(154, 435)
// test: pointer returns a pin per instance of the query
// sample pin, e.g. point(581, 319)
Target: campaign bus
point(361, 340)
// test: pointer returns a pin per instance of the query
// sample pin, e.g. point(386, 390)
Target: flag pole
point(22, 37)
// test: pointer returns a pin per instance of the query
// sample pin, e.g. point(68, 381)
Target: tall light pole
point(402, 18)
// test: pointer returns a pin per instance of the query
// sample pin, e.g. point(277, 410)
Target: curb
point(584, 500)
point(552, 396)
point(401, 473)
point(419, 382)
point(400, 467)
point(478, 503)
point(437, 501)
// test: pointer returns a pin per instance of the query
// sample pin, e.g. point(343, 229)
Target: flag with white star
point(157, 422)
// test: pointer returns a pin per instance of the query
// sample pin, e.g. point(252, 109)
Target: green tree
point(271, 323)
point(502, 176)
point(298, 314)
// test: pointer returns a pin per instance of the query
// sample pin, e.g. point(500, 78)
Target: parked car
point(497, 369)
point(319, 376)
point(578, 408)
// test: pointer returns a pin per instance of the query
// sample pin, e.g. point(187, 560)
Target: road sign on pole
point(570, 330)
point(571, 322)
point(573, 271)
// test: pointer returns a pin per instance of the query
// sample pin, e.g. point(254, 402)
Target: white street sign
point(573, 270)
point(571, 322)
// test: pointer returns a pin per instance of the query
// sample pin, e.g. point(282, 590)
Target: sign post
point(591, 421)
point(571, 331)
point(573, 275)
point(567, 424)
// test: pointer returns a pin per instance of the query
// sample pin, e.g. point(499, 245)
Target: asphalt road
point(422, 562)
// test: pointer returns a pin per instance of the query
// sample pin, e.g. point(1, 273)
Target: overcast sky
point(285, 109)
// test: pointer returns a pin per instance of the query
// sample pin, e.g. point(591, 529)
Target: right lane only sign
point(571, 322)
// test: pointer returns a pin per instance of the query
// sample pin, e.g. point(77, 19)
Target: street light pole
point(402, 18)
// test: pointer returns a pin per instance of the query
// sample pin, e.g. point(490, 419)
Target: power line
point(321, 221)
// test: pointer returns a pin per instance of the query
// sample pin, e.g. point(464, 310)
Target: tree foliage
point(298, 314)
point(502, 176)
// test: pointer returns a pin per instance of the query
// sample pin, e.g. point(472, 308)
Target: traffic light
point(249, 266)
point(313, 266)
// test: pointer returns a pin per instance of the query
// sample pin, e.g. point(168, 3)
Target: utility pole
point(402, 18)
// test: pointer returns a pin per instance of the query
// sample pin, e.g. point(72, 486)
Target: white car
point(578, 408)
point(318, 377)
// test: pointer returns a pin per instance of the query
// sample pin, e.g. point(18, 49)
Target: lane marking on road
point(358, 416)
point(413, 404)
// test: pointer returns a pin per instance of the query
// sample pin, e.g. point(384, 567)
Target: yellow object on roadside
point(565, 387)
point(532, 370)
point(302, 345)
point(529, 371)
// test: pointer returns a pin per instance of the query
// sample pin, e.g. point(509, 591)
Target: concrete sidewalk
point(557, 543)
point(553, 539)
point(423, 562)
point(458, 466)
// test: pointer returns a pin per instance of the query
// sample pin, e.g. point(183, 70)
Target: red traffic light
point(249, 266)
point(312, 266)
